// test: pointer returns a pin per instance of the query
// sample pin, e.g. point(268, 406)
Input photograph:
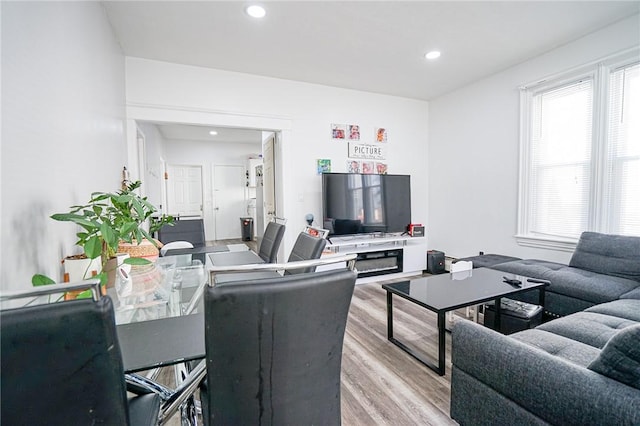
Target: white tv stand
point(380, 254)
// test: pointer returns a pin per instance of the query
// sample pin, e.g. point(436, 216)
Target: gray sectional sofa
point(580, 369)
point(603, 268)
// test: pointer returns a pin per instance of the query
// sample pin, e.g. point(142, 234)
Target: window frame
point(597, 214)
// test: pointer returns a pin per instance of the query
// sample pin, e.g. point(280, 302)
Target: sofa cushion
point(620, 358)
point(560, 346)
point(590, 328)
point(633, 294)
point(625, 308)
point(574, 282)
point(529, 267)
point(615, 255)
point(588, 285)
point(487, 260)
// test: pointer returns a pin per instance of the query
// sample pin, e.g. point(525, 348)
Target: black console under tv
point(354, 203)
point(379, 262)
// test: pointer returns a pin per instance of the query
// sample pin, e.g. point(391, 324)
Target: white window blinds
point(560, 160)
point(623, 160)
point(580, 153)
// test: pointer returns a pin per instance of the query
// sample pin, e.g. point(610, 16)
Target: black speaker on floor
point(435, 262)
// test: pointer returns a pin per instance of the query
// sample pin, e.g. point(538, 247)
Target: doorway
point(266, 195)
point(184, 190)
point(158, 154)
point(229, 201)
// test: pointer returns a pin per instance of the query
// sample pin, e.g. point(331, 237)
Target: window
point(580, 155)
point(623, 159)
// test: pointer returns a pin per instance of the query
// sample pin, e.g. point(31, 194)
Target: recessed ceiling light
point(213, 133)
point(434, 54)
point(256, 11)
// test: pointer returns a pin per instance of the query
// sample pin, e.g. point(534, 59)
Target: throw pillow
point(620, 357)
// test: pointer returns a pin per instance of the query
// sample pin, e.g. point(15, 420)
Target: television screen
point(355, 203)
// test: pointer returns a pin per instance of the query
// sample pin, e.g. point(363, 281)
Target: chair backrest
point(274, 349)
point(307, 247)
point(61, 365)
point(175, 245)
point(271, 240)
point(191, 230)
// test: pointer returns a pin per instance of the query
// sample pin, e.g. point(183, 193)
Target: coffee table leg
point(440, 368)
point(496, 322)
point(389, 316)
point(442, 339)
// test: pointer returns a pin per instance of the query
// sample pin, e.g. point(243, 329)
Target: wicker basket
point(145, 249)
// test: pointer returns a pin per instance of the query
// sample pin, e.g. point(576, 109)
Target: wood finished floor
point(381, 384)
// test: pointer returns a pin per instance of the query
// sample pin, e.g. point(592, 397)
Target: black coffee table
point(447, 292)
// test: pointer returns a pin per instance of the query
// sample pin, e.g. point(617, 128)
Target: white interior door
point(184, 190)
point(229, 200)
point(268, 179)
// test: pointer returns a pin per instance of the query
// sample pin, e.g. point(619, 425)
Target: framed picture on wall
point(380, 134)
point(338, 131)
point(381, 168)
point(323, 165)
point(353, 166)
point(353, 132)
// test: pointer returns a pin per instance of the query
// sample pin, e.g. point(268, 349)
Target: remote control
point(515, 283)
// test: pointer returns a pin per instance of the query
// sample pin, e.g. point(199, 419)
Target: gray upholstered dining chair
point(306, 247)
point(274, 346)
point(61, 363)
point(271, 240)
point(190, 230)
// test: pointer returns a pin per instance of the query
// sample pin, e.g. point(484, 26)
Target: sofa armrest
point(549, 387)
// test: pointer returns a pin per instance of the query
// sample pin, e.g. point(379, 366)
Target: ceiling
point(370, 46)
point(184, 132)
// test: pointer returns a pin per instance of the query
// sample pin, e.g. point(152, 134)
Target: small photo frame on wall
point(353, 166)
point(380, 135)
point(353, 132)
point(323, 165)
point(368, 167)
point(381, 168)
point(338, 131)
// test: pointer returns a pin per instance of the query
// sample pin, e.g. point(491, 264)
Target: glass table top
point(453, 290)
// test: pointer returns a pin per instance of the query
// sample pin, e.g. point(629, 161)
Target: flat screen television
point(355, 203)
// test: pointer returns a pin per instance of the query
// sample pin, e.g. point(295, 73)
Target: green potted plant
point(106, 220)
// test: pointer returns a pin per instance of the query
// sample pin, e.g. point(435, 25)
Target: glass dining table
point(160, 315)
point(163, 323)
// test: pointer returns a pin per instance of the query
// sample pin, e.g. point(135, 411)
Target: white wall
point(207, 155)
point(153, 175)
point(473, 150)
point(62, 128)
point(309, 108)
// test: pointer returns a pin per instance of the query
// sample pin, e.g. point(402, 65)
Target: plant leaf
point(84, 295)
point(137, 261)
point(102, 276)
point(109, 235)
point(128, 228)
point(148, 237)
point(138, 207)
point(93, 247)
point(39, 279)
point(76, 218)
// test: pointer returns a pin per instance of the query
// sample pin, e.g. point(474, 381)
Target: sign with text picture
point(374, 152)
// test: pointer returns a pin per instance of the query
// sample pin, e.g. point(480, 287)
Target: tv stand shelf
point(358, 244)
point(375, 253)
